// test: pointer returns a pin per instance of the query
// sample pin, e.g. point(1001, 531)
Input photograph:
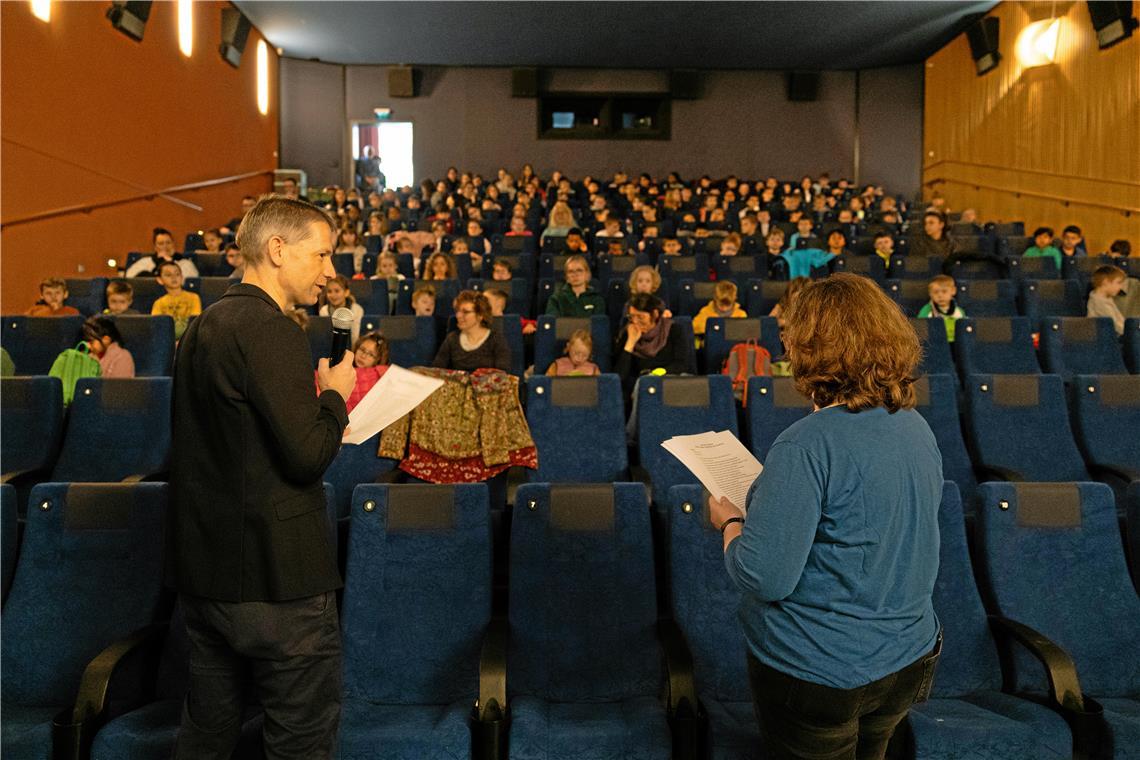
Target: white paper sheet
point(719, 461)
point(398, 392)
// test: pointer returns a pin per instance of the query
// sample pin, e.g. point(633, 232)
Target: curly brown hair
point(478, 302)
point(849, 344)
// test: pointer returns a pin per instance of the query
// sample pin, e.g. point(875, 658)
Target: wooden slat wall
point(1071, 129)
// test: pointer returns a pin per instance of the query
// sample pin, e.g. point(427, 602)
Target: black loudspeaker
point(130, 17)
point(803, 85)
point(983, 37)
point(524, 83)
point(685, 84)
point(235, 32)
point(1113, 22)
point(401, 82)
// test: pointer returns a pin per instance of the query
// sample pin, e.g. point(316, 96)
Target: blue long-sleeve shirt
point(802, 260)
point(839, 552)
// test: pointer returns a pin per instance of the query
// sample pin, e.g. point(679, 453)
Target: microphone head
point(342, 319)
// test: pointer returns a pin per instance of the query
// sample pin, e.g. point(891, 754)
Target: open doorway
point(391, 143)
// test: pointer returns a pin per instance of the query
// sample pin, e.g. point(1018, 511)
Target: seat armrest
point(1116, 471)
point(992, 472)
point(679, 683)
point(96, 682)
point(492, 702)
point(1064, 686)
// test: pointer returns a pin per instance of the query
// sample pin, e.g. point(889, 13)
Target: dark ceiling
point(650, 35)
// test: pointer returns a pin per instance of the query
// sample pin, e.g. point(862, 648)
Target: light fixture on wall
point(186, 27)
point(262, 77)
point(1037, 43)
point(41, 9)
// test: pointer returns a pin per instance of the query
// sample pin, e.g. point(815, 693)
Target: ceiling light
point(1037, 43)
point(41, 9)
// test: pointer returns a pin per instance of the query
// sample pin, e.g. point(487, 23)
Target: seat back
point(1034, 267)
point(1079, 344)
point(969, 661)
point(774, 404)
point(998, 345)
point(117, 428)
point(147, 290)
point(518, 292)
point(705, 600)
point(411, 339)
point(1018, 423)
point(694, 296)
point(722, 334)
point(868, 266)
point(1064, 537)
point(9, 545)
point(89, 296)
point(1131, 341)
point(31, 423)
point(988, 298)
point(741, 268)
point(417, 595)
point(906, 267)
point(936, 358)
point(582, 601)
point(1052, 298)
point(355, 464)
point(35, 342)
point(150, 341)
point(372, 295)
point(763, 295)
point(553, 332)
point(937, 402)
point(89, 573)
point(1106, 420)
point(673, 269)
point(669, 406)
point(578, 427)
point(910, 295)
point(211, 289)
point(1014, 246)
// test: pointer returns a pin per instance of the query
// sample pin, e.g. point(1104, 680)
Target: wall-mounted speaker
point(685, 84)
point(235, 32)
point(803, 86)
point(524, 83)
point(130, 17)
point(1113, 22)
point(983, 37)
point(402, 82)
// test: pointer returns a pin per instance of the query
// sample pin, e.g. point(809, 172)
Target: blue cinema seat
point(150, 341)
point(1131, 341)
point(1052, 298)
point(411, 339)
point(1080, 345)
point(937, 398)
point(553, 332)
point(89, 296)
point(9, 538)
point(998, 345)
point(578, 427)
point(988, 298)
point(1106, 421)
point(773, 405)
point(35, 342)
point(31, 425)
point(936, 357)
point(722, 334)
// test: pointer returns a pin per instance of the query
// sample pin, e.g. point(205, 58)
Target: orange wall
point(1070, 129)
point(112, 113)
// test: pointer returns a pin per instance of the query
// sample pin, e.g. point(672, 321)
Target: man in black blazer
point(248, 545)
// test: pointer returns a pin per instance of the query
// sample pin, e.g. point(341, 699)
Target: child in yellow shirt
point(723, 305)
point(177, 303)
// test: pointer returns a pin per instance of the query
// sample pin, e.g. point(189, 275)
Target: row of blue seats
point(1019, 427)
point(582, 662)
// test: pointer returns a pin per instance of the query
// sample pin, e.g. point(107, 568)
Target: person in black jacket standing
point(248, 545)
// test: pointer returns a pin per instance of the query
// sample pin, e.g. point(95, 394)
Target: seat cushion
point(989, 725)
point(143, 734)
point(732, 730)
point(404, 732)
point(1123, 718)
point(631, 729)
point(25, 733)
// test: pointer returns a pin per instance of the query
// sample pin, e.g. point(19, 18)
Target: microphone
point(341, 334)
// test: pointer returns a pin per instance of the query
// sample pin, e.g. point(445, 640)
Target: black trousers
point(800, 720)
point(286, 655)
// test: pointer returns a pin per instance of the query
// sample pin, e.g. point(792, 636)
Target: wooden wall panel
point(1071, 129)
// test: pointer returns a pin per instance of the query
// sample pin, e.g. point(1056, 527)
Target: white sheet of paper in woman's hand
point(398, 392)
point(719, 461)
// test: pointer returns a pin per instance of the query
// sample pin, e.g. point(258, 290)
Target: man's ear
point(276, 250)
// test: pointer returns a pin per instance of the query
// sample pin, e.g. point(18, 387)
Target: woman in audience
point(475, 344)
point(106, 344)
point(649, 341)
point(439, 266)
point(163, 251)
point(837, 558)
point(338, 296)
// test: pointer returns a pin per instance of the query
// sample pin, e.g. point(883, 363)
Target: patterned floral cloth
point(469, 430)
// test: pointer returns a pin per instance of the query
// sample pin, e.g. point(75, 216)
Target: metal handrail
point(86, 208)
point(1063, 200)
point(1043, 173)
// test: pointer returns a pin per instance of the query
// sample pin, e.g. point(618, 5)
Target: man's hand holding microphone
point(337, 373)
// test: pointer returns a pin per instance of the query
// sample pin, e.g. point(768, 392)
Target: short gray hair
point(287, 218)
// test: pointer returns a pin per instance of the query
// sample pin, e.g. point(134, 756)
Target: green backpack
point(71, 365)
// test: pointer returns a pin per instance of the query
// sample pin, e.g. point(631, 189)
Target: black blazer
point(251, 443)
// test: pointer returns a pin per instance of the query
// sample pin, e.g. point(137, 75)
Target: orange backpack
point(746, 360)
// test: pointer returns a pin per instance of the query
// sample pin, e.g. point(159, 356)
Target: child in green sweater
point(942, 290)
point(1043, 246)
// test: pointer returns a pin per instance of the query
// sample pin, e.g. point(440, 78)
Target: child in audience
point(347, 242)
point(53, 292)
point(837, 243)
point(775, 242)
point(423, 301)
point(235, 262)
point(781, 308)
point(1043, 246)
point(884, 246)
point(120, 296)
point(1073, 242)
point(803, 231)
point(645, 279)
point(440, 266)
point(370, 359)
point(106, 344)
point(723, 305)
point(337, 296)
point(671, 246)
point(1107, 282)
point(942, 290)
point(386, 269)
point(212, 239)
point(499, 300)
point(477, 244)
point(730, 244)
point(502, 271)
point(177, 303)
point(518, 228)
point(576, 362)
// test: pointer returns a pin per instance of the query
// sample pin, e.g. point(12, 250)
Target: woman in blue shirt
point(837, 558)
